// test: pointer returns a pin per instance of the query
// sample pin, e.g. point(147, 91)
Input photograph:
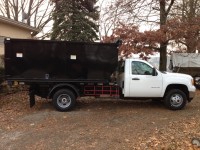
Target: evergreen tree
point(74, 20)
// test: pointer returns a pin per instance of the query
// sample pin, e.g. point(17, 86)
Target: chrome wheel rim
point(64, 100)
point(176, 100)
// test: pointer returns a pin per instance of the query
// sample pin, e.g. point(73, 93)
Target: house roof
point(18, 24)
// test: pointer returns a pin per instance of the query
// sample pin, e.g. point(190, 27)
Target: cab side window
point(140, 68)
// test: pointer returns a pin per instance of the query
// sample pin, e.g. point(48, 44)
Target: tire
point(64, 100)
point(175, 99)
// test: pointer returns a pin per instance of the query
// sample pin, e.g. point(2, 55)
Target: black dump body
point(42, 60)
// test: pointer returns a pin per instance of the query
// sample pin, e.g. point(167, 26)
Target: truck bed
point(61, 61)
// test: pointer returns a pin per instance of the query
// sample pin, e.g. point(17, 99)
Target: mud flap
point(32, 97)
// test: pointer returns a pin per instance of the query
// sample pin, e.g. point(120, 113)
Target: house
point(13, 29)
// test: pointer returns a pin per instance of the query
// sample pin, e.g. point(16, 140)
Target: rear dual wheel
point(64, 100)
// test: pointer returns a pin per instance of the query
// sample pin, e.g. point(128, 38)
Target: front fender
point(176, 80)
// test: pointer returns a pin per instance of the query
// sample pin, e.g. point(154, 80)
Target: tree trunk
point(29, 12)
point(73, 20)
point(163, 45)
point(191, 44)
point(163, 56)
point(16, 13)
point(7, 7)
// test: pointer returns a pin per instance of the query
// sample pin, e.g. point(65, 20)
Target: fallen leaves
point(114, 125)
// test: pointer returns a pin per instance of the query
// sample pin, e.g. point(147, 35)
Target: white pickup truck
point(139, 79)
point(64, 70)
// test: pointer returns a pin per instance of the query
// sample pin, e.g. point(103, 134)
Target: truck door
point(141, 81)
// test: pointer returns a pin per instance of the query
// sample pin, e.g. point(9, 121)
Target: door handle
point(135, 79)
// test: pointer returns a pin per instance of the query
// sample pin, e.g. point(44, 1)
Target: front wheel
point(64, 100)
point(175, 99)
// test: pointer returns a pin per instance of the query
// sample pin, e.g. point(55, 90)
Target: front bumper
point(192, 91)
point(191, 95)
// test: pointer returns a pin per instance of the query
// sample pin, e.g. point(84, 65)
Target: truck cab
point(139, 79)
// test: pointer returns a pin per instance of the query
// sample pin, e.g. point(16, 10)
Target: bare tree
point(129, 12)
point(36, 13)
point(109, 18)
point(152, 12)
point(188, 12)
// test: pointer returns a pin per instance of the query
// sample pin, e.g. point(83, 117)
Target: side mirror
point(154, 72)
